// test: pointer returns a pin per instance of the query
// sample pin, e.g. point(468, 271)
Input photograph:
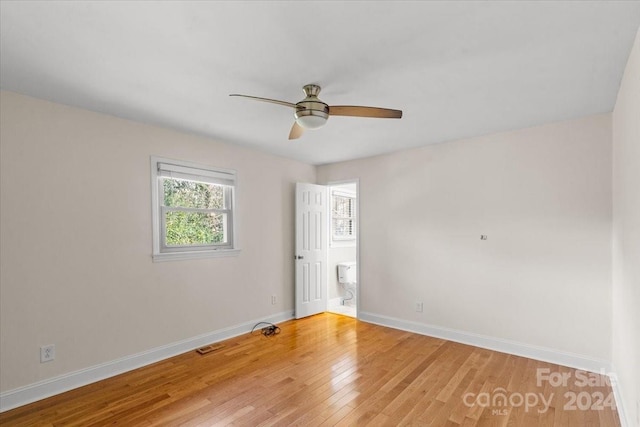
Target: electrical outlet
point(274, 300)
point(47, 353)
point(418, 307)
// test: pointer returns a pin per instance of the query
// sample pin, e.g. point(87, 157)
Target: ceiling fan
point(312, 113)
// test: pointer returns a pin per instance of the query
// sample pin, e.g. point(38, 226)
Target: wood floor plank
point(325, 370)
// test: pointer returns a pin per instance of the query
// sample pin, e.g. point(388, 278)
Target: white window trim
point(157, 254)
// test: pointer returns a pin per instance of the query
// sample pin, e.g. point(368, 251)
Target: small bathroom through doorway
point(342, 249)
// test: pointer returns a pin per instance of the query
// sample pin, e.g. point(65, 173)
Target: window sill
point(177, 256)
point(343, 243)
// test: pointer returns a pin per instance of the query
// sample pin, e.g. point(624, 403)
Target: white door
point(311, 249)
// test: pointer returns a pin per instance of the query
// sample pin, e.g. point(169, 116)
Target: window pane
point(194, 228)
point(342, 206)
point(342, 227)
point(190, 194)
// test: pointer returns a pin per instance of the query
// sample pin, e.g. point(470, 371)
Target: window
point(343, 216)
point(193, 210)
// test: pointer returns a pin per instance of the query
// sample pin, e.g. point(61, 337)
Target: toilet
point(347, 278)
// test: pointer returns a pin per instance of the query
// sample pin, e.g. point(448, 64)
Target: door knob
point(298, 257)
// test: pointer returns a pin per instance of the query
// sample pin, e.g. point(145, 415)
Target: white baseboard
point(504, 346)
point(50, 387)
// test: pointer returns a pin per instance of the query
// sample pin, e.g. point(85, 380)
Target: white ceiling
point(456, 69)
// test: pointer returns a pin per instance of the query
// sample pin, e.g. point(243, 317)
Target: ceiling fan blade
point(358, 111)
point(273, 101)
point(296, 131)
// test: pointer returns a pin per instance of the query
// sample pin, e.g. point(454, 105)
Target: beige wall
point(543, 197)
point(76, 266)
point(75, 252)
point(626, 236)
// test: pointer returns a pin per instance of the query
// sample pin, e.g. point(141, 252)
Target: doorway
point(326, 267)
point(342, 253)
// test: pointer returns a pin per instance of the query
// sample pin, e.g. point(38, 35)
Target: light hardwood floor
point(328, 370)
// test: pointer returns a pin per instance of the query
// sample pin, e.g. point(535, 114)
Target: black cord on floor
point(267, 331)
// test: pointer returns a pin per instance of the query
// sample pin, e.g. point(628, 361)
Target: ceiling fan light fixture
point(311, 119)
